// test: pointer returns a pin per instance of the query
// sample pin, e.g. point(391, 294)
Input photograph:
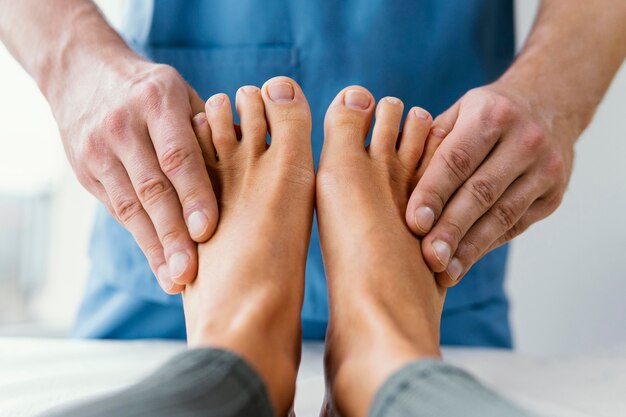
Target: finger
point(180, 159)
point(473, 199)
point(203, 135)
point(127, 209)
point(504, 214)
point(435, 137)
point(539, 210)
point(196, 102)
point(159, 199)
point(464, 149)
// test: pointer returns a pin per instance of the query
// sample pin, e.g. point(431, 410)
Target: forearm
point(570, 58)
point(58, 41)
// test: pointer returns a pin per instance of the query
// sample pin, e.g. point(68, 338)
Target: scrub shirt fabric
point(426, 52)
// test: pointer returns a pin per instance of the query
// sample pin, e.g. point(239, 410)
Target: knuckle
point(127, 209)
point(152, 189)
point(191, 197)
point(513, 232)
point(116, 123)
point(505, 214)
point(453, 230)
point(459, 163)
point(533, 140)
point(503, 110)
point(153, 251)
point(554, 167)
point(175, 159)
point(171, 237)
point(151, 96)
point(484, 191)
point(468, 251)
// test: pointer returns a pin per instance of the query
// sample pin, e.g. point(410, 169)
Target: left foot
point(385, 305)
point(248, 292)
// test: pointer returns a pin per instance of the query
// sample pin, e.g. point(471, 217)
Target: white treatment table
point(36, 374)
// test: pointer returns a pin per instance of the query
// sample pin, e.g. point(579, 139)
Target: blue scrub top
point(426, 52)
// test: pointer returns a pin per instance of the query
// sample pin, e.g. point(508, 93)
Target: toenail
point(216, 100)
point(422, 114)
point(178, 264)
point(249, 89)
point(197, 223)
point(424, 219)
point(392, 100)
point(281, 92)
point(439, 132)
point(356, 99)
point(442, 251)
point(163, 275)
point(455, 269)
point(199, 119)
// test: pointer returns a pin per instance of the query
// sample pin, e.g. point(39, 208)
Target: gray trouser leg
point(435, 389)
point(195, 383)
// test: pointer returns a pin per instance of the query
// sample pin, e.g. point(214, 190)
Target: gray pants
point(218, 383)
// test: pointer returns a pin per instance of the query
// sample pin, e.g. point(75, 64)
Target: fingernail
point(199, 119)
point(178, 264)
point(281, 92)
point(163, 275)
point(422, 114)
point(455, 269)
point(217, 100)
point(356, 99)
point(392, 100)
point(197, 223)
point(424, 219)
point(438, 132)
point(249, 89)
point(442, 251)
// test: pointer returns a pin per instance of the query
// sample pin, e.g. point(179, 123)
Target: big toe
point(288, 115)
point(349, 118)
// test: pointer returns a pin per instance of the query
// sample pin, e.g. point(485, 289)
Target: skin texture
point(385, 309)
point(507, 148)
point(250, 285)
point(126, 128)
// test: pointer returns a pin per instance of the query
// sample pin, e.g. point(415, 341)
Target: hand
point(127, 130)
point(501, 167)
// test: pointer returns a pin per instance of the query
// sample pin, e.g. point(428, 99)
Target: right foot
point(385, 305)
point(248, 292)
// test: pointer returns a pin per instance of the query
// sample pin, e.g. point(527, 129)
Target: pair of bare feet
point(385, 305)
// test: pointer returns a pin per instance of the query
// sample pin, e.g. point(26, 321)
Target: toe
point(251, 111)
point(414, 134)
point(288, 115)
point(220, 117)
point(349, 118)
point(387, 127)
point(203, 135)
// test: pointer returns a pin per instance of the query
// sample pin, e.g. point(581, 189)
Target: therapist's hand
point(499, 169)
point(127, 130)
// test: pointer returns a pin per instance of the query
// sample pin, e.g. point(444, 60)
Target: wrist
point(80, 54)
point(561, 107)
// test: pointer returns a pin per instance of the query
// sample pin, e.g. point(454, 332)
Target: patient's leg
point(248, 293)
point(383, 338)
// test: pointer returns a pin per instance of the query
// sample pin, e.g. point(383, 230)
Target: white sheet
point(36, 374)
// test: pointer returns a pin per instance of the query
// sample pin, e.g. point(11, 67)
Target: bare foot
point(248, 293)
point(385, 305)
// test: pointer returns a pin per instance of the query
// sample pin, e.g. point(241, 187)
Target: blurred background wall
point(566, 277)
